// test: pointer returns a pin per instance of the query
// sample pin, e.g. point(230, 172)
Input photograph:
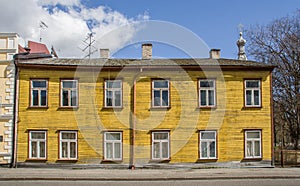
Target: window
point(113, 145)
point(69, 93)
point(11, 43)
point(37, 144)
point(160, 93)
point(253, 144)
point(113, 93)
point(160, 145)
point(2, 43)
point(39, 91)
point(10, 56)
point(208, 145)
point(1, 138)
point(252, 93)
point(207, 93)
point(68, 145)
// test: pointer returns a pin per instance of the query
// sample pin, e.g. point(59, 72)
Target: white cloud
point(66, 29)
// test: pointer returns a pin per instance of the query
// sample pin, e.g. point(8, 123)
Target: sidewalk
point(147, 174)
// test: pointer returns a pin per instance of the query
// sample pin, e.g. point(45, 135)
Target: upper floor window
point(113, 145)
point(252, 93)
point(11, 43)
point(160, 145)
point(37, 144)
point(113, 93)
point(69, 93)
point(207, 93)
point(253, 144)
point(208, 146)
point(2, 43)
point(68, 145)
point(39, 91)
point(160, 93)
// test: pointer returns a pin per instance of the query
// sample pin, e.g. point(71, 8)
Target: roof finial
point(241, 45)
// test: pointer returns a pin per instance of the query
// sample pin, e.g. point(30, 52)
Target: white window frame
point(69, 93)
point(207, 89)
point(208, 141)
point(113, 142)
point(10, 56)
point(38, 141)
point(113, 90)
point(160, 90)
point(39, 89)
point(69, 141)
point(160, 141)
point(253, 140)
point(11, 41)
point(252, 89)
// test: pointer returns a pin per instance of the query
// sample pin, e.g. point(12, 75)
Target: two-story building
point(143, 112)
point(8, 47)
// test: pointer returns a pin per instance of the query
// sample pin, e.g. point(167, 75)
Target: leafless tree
point(278, 43)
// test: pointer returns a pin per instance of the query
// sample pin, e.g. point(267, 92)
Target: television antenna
point(43, 26)
point(88, 43)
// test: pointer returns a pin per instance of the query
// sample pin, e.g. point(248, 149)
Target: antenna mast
point(88, 42)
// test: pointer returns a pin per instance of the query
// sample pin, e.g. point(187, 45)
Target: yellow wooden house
point(143, 112)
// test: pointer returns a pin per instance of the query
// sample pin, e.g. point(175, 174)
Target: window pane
point(248, 97)
point(165, 149)
point(117, 150)
point(109, 98)
point(65, 99)
point(257, 148)
point(109, 150)
point(252, 84)
point(157, 98)
point(165, 95)
point(212, 148)
point(11, 44)
point(254, 135)
point(113, 136)
point(42, 150)
point(156, 150)
point(35, 98)
point(33, 149)
point(72, 150)
point(43, 97)
point(249, 149)
point(39, 84)
point(160, 136)
point(206, 84)
point(256, 97)
point(211, 97)
point(161, 84)
point(37, 135)
point(69, 84)
point(116, 84)
point(204, 149)
point(207, 135)
point(68, 136)
point(203, 97)
point(73, 98)
point(2, 43)
point(117, 98)
point(64, 150)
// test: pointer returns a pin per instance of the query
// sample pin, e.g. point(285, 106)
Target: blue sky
point(215, 22)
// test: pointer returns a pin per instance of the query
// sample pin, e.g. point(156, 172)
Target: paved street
point(53, 174)
point(226, 182)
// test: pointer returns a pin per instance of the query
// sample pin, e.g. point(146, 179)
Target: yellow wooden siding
point(184, 119)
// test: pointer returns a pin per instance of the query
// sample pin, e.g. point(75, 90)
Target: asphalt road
point(226, 182)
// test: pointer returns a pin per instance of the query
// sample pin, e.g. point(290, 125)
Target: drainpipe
point(15, 114)
point(132, 158)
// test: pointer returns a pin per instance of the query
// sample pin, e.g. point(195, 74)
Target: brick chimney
point(147, 51)
point(215, 53)
point(104, 53)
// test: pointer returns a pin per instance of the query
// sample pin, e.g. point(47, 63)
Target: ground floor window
point(37, 144)
point(253, 144)
point(160, 145)
point(113, 145)
point(208, 145)
point(68, 145)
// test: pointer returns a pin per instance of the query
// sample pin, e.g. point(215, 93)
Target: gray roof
point(113, 62)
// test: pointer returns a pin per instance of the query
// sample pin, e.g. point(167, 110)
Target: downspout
point(272, 121)
point(15, 114)
point(132, 158)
